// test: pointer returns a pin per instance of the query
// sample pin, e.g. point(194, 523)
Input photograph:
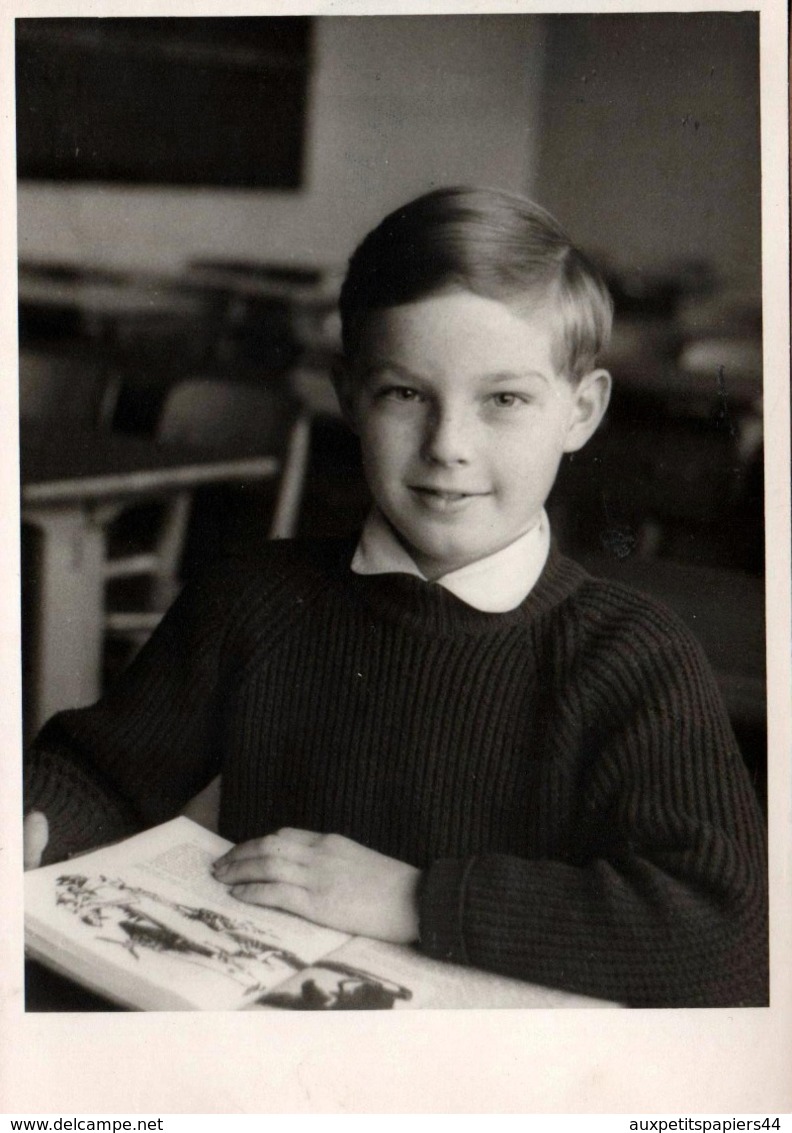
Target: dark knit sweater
point(564, 773)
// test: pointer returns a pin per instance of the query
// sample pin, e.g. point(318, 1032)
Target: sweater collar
point(426, 608)
point(495, 584)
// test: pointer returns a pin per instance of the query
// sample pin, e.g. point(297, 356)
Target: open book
point(144, 924)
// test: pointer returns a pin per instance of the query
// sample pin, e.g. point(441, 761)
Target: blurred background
point(189, 192)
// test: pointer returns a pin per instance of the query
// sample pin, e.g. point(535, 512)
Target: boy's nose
point(448, 438)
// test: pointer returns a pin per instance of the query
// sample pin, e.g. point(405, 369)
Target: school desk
point(46, 990)
point(67, 478)
point(106, 305)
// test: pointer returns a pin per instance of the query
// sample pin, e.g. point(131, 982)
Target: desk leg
point(67, 649)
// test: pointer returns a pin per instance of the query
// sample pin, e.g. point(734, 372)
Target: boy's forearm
point(81, 812)
point(633, 933)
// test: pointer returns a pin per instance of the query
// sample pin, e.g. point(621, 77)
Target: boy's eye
point(505, 400)
point(399, 393)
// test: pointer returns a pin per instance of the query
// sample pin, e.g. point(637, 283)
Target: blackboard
point(174, 101)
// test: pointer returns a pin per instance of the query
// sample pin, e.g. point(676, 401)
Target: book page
point(369, 974)
point(146, 923)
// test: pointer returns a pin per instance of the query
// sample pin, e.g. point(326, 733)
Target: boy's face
point(463, 420)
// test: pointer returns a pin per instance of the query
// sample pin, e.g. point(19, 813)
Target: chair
point(212, 413)
point(61, 387)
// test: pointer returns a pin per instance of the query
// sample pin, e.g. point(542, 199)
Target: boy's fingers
point(271, 845)
point(275, 895)
point(36, 836)
point(299, 837)
point(262, 869)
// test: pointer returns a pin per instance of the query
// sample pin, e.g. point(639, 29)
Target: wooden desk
point(104, 303)
point(250, 283)
point(67, 481)
point(648, 357)
point(164, 886)
point(312, 306)
point(468, 988)
point(48, 991)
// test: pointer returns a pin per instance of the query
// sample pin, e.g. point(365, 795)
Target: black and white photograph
point(397, 566)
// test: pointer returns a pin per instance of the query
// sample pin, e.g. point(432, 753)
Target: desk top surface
point(106, 297)
point(82, 463)
point(49, 991)
point(167, 294)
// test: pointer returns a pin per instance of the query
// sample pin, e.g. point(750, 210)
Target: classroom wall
point(397, 105)
point(650, 138)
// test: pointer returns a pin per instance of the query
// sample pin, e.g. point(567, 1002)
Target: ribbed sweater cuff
point(79, 812)
point(441, 909)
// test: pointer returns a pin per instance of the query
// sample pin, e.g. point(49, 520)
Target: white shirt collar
point(495, 584)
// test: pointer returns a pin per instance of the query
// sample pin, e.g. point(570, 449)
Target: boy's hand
point(35, 838)
point(328, 879)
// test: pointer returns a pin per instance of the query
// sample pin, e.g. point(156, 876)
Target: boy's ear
point(344, 385)
point(592, 395)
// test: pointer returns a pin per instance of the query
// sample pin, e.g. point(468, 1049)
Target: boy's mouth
point(442, 497)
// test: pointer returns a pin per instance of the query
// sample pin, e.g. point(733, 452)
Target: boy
point(445, 733)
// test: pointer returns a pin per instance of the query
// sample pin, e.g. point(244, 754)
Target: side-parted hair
point(493, 244)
